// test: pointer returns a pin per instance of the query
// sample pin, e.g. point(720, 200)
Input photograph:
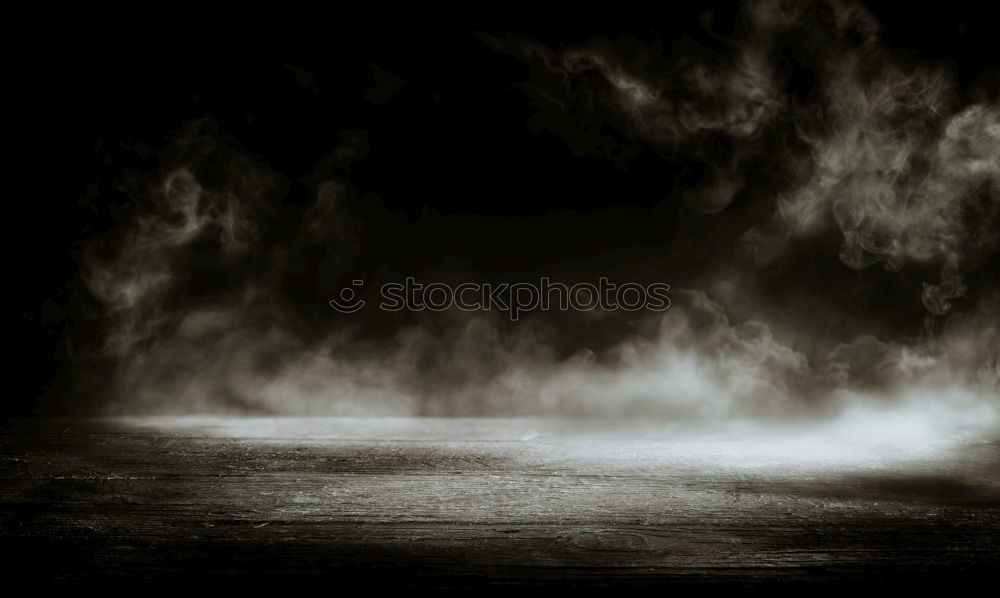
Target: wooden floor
point(460, 503)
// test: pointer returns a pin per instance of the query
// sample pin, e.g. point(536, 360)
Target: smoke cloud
point(876, 148)
point(876, 144)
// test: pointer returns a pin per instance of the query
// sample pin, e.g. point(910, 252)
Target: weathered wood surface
point(453, 504)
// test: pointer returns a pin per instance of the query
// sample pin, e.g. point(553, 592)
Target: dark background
point(468, 175)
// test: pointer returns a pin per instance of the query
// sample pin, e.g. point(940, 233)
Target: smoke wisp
point(876, 148)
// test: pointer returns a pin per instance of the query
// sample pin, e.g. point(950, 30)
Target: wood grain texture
point(451, 505)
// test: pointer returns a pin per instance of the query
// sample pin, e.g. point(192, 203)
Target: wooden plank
point(104, 499)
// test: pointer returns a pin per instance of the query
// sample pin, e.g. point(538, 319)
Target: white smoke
point(903, 171)
point(883, 148)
